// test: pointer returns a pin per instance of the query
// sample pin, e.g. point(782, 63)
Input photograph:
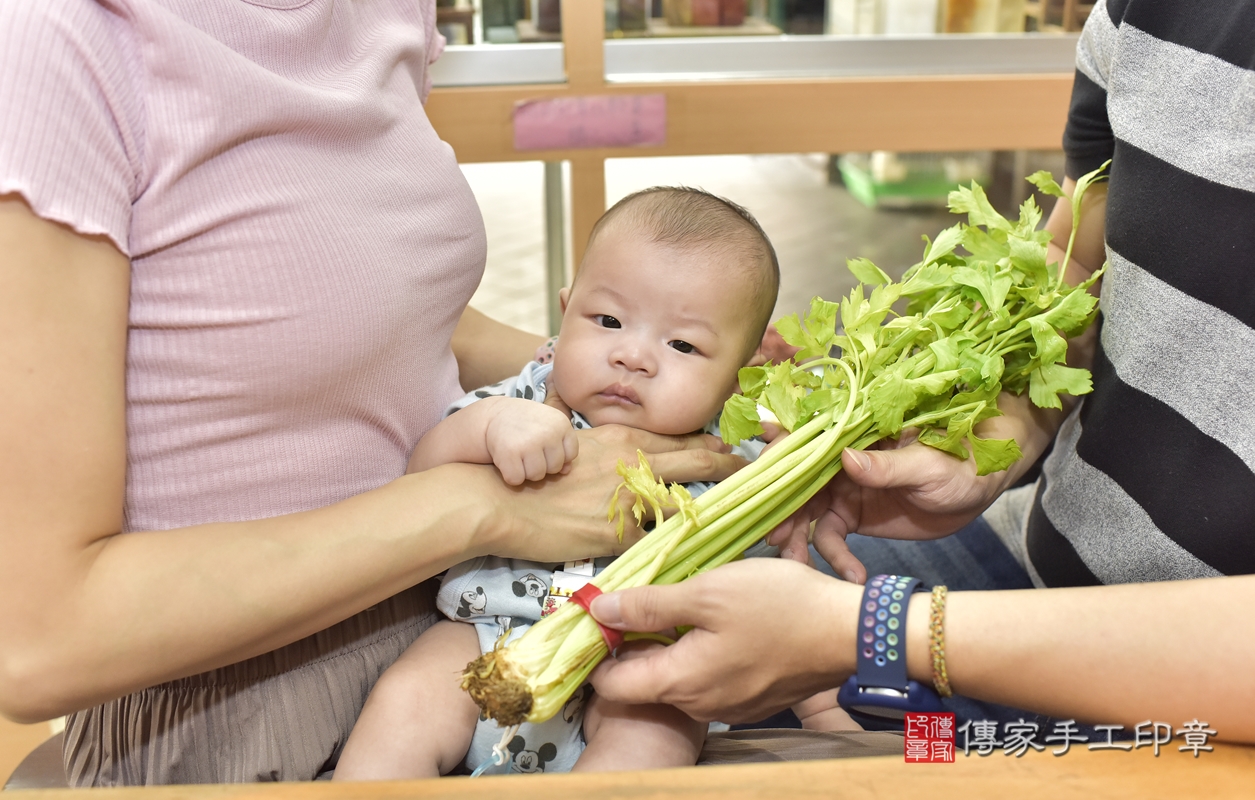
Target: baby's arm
point(526, 440)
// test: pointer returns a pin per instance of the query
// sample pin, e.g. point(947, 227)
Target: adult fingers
point(644, 678)
point(836, 551)
point(772, 434)
point(792, 539)
point(554, 401)
point(678, 459)
point(623, 436)
point(914, 465)
point(648, 608)
point(686, 466)
point(783, 531)
point(774, 347)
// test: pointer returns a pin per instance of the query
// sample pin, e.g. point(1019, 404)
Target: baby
point(672, 298)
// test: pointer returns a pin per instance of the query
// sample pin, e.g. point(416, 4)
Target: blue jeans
point(972, 559)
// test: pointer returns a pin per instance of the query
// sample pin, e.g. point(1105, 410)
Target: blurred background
point(813, 219)
point(819, 208)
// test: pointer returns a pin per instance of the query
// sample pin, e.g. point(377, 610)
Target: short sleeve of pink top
point(302, 244)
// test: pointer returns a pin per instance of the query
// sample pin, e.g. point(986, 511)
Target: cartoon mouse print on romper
point(531, 586)
point(472, 604)
point(525, 760)
point(574, 705)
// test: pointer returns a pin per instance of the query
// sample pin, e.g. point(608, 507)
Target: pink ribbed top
point(302, 243)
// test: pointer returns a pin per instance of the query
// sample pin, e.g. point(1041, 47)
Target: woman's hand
point(566, 516)
point(741, 612)
point(769, 633)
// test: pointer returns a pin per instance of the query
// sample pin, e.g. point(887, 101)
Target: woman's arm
point(1106, 655)
point(90, 614)
point(488, 351)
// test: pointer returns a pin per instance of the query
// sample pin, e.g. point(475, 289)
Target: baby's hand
point(529, 440)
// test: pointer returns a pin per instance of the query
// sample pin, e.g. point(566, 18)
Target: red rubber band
point(584, 597)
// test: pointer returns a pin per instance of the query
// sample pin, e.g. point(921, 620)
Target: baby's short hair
point(694, 219)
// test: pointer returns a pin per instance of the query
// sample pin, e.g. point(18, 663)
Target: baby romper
point(502, 597)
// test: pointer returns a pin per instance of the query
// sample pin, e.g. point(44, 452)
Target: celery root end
point(498, 688)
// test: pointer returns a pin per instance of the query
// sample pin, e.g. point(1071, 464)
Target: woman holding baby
point(236, 262)
point(1114, 573)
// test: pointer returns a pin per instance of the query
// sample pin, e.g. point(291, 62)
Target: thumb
point(887, 469)
point(645, 608)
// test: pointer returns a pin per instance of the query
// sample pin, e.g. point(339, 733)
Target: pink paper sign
point(593, 121)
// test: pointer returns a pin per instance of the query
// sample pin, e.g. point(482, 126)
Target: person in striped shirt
point(1141, 526)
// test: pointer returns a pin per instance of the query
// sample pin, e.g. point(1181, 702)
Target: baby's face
point(652, 336)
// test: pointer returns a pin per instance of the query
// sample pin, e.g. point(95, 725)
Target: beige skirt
point(281, 716)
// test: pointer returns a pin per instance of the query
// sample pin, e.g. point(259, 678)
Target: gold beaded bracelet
point(937, 641)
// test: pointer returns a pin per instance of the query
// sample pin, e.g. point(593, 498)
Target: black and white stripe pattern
point(1153, 476)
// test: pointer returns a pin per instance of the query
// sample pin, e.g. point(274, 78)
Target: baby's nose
point(634, 357)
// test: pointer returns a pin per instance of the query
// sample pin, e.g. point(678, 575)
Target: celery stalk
point(975, 325)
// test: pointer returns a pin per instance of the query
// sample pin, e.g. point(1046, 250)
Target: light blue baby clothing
point(502, 597)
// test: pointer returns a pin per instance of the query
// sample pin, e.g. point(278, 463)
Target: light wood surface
point(922, 113)
point(1229, 772)
point(915, 114)
point(16, 741)
point(835, 115)
point(583, 37)
point(588, 201)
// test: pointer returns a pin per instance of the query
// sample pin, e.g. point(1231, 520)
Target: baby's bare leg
point(417, 722)
point(624, 737)
point(820, 712)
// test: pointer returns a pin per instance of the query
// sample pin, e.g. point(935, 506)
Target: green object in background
point(907, 180)
point(502, 13)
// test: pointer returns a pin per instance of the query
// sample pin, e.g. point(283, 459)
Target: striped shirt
point(1152, 477)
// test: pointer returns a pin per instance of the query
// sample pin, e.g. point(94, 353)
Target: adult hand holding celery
point(985, 313)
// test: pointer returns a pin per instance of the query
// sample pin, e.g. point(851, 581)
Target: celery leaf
point(739, 419)
point(993, 455)
point(1045, 182)
point(973, 202)
point(1048, 381)
point(752, 380)
point(867, 272)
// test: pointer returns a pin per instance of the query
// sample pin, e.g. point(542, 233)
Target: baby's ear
point(564, 294)
point(757, 359)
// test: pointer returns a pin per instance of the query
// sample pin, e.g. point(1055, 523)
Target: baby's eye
point(682, 346)
point(607, 321)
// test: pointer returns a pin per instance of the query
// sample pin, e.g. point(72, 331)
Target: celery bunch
point(992, 318)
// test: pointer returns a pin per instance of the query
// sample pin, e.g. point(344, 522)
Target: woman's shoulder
point(70, 112)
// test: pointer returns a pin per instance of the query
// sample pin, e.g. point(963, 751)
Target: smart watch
point(879, 695)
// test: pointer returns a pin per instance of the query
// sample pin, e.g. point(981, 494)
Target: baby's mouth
point(620, 395)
